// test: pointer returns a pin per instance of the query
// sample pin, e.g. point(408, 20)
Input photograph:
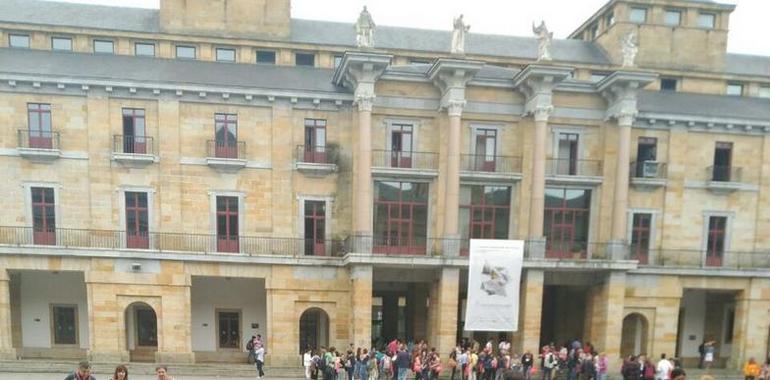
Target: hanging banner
point(494, 278)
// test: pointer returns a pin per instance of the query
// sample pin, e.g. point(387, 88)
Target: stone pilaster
point(527, 338)
point(752, 323)
point(7, 352)
point(442, 313)
point(361, 305)
point(606, 311)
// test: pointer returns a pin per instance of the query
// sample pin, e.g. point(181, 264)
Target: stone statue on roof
point(629, 48)
point(365, 30)
point(544, 38)
point(458, 35)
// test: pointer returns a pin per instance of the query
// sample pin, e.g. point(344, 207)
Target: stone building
point(177, 180)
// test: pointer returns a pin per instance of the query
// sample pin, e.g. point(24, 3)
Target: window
point(401, 145)
point(337, 61)
point(646, 153)
point(134, 137)
point(673, 17)
point(315, 141)
point(707, 20)
point(565, 223)
point(61, 43)
point(137, 220)
point(229, 327)
point(485, 150)
point(18, 41)
point(304, 59)
point(144, 49)
point(567, 154)
point(716, 239)
point(39, 125)
point(668, 84)
point(734, 89)
point(315, 228)
point(484, 212)
point(225, 55)
point(146, 327)
point(594, 31)
point(185, 52)
point(400, 217)
point(65, 324)
point(226, 135)
point(609, 19)
point(43, 216)
point(722, 169)
point(641, 230)
point(764, 92)
point(227, 224)
point(638, 15)
point(598, 77)
point(104, 47)
point(266, 56)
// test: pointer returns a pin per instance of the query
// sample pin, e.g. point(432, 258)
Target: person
point(663, 369)
point(259, 359)
point(701, 353)
point(307, 361)
point(708, 354)
point(453, 354)
point(363, 364)
point(250, 348)
point(764, 373)
point(678, 374)
point(648, 369)
point(751, 370)
point(602, 366)
point(587, 368)
point(549, 363)
point(121, 373)
point(473, 364)
point(434, 364)
point(82, 373)
point(162, 372)
point(402, 362)
point(527, 361)
point(462, 363)
point(632, 369)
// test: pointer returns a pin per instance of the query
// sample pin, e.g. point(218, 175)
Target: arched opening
point(141, 332)
point(313, 329)
point(633, 340)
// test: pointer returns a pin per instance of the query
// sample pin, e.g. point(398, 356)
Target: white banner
point(494, 278)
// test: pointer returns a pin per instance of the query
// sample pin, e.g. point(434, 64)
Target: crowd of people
point(83, 372)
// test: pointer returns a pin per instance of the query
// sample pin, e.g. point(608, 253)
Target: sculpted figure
point(544, 38)
point(458, 35)
point(365, 30)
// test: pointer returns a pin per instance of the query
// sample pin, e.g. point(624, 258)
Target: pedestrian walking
point(664, 368)
point(259, 357)
point(307, 362)
point(121, 373)
point(82, 373)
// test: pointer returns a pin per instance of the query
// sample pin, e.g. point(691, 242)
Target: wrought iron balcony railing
point(404, 160)
point(133, 144)
point(322, 154)
point(723, 173)
point(569, 167)
point(649, 170)
point(31, 139)
point(226, 149)
point(490, 164)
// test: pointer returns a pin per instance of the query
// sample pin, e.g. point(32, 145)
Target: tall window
point(315, 140)
point(137, 220)
point(401, 145)
point(567, 155)
point(315, 228)
point(484, 212)
point(565, 225)
point(641, 230)
point(226, 135)
point(134, 137)
point(43, 216)
point(65, 324)
point(723, 156)
point(646, 153)
point(486, 150)
point(39, 122)
point(229, 326)
point(715, 244)
point(400, 217)
point(227, 224)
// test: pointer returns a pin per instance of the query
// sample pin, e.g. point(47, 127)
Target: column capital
point(537, 82)
point(542, 113)
point(364, 101)
point(451, 76)
point(455, 107)
point(620, 90)
point(359, 72)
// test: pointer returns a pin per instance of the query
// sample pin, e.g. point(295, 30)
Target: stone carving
point(458, 35)
point(629, 49)
point(544, 39)
point(365, 30)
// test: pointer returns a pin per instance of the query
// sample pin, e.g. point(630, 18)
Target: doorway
point(313, 329)
point(141, 332)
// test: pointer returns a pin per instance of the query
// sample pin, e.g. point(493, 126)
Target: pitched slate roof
point(704, 105)
point(165, 71)
point(744, 64)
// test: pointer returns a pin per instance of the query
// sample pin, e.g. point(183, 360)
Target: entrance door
point(715, 248)
point(142, 332)
point(137, 226)
point(401, 146)
point(43, 216)
point(313, 329)
point(227, 224)
point(486, 149)
point(315, 228)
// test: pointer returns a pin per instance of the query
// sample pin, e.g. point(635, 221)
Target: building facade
point(177, 180)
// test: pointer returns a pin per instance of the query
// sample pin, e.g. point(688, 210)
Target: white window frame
point(27, 186)
point(95, 40)
point(766, 90)
point(29, 40)
point(154, 48)
point(389, 127)
point(218, 48)
point(58, 37)
point(213, 210)
point(705, 233)
point(556, 131)
point(732, 84)
point(194, 47)
point(475, 127)
point(329, 203)
point(151, 226)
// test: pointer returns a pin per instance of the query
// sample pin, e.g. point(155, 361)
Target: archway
point(141, 332)
point(633, 340)
point(313, 329)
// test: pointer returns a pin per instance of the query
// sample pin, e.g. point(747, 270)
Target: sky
point(749, 29)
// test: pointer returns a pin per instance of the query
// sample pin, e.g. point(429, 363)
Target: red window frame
point(484, 160)
point(43, 216)
point(715, 245)
point(560, 239)
point(485, 227)
point(399, 233)
point(227, 224)
point(40, 134)
point(400, 157)
point(134, 140)
point(226, 142)
point(137, 233)
point(315, 223)
point(641, 232)
point(315, 150)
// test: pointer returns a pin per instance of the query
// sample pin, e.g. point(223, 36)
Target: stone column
point(361, 305)
point(7, 352)
point(452, 190)
point(530, 313)
point(620, 203)
point(362, 216)
point(606, 317)
point(750, 335)
point(442, 313)
point(537, 194)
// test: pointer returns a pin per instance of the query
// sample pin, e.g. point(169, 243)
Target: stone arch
point(314, 328)
point(635, 335)
point(141, 324)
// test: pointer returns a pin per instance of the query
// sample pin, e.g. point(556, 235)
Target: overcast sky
point(749, 28)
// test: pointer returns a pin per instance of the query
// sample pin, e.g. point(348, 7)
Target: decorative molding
point(537, 83)
point(620, 89)
point(451, 77)
point(204, 162)
point(71, 155)
point(359, 72)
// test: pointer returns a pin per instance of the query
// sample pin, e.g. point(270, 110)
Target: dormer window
point(638, 15)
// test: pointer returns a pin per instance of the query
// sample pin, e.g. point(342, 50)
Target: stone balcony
point(404, 164)
point(39, 146)
point(134, 151)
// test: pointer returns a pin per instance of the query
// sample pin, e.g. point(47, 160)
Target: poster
point(494, 278)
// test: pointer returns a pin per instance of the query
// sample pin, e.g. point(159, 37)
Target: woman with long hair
point(121, 373)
